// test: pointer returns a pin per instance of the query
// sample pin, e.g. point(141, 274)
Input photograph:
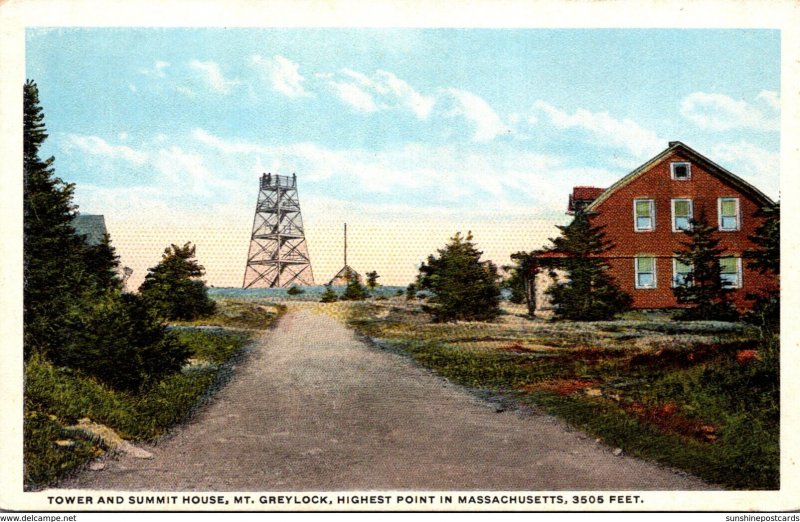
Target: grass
point(232, 313)
point(701, 396)
point(57, 398)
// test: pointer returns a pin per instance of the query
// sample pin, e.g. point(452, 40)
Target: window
point(728, 213)
point(681, 170)
point(644, 214)
point(680, 273)
point(681, 214)
point(730, 269)
point(645, 272)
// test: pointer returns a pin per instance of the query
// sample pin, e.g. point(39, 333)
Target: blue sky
point(408, 134)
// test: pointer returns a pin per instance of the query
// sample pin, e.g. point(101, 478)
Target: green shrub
point(463, 286)
point(328, 296)
point(354, 291)
point(118, 341)
point(295, 290)
point(173, 287)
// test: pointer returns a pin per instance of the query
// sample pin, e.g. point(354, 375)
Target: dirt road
point(313, 408)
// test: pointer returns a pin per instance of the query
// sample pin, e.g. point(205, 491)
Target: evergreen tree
point(703, 288)
point(173, 287)
point(464, 287)
point(354, 291)
point(328, 296)
point(102, 262)
point(74, 311)
point(411, 291)
point(766, 258)
point(521, 280)
point(118, 340)
point(589, 294)
point(372, 279)
point(54, 278)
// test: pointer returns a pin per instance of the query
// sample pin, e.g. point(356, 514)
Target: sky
point(407, 135)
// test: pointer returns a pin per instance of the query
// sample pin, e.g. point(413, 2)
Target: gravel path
point(314, 408)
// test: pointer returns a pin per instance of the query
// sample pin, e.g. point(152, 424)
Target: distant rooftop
point(93, 226)
point(581, 197)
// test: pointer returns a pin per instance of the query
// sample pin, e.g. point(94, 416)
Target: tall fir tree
point(463, 286)
point(703, 289)
point(589, 293)
point(54, 275)
point(521, 279)
point(766, 258)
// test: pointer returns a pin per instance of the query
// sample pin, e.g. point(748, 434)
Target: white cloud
point(186, 91)
point(213, 76)
point(771, 98)
point(408, 97)
point(719, 112)
point(354, 96)
point(97, 146)
point(758, 166)
point(158, 69)
point(605, 130)
point(475, 109)
point(449, 175)
point(382, 91)
point(283, 74)
point(185, 170)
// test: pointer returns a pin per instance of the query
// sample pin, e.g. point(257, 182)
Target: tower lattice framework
point(278, 255)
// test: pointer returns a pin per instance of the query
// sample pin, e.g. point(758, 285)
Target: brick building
point(644, 213)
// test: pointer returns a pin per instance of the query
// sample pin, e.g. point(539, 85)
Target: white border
point(16, 15)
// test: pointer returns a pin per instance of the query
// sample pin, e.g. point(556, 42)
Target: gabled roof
point(343, 276)
point(714, 169)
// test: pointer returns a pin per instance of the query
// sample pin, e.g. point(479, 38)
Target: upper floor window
point(644, 211)
point(681, 214)
point(645, 268)
point(681, 170)
point(729, 218)
point(730, 269)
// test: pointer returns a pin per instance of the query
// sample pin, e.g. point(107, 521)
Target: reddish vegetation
point(746, 356)
point(666, 418)
point(561, 386)
point(683, 358)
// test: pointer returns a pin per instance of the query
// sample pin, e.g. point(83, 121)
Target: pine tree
point(703, 289)
point(463, 286)
point(173, 287)
point(372, 280)
point(328, 296)
point(766, 258)
point(354, 291)
point(102, 262)
point(521, 280)
point(589, 294)
point(54, 278)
